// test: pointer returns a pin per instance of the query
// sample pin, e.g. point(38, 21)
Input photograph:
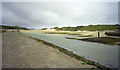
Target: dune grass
point(84, 35)
point(63, 33)
point(56, 33)
point(72, 38)
point(69, 34)
point(74, 34)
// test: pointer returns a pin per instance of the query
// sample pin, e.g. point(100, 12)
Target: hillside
point(89, 28)
point(12, 27)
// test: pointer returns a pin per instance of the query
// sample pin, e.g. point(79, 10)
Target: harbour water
point(104, 54)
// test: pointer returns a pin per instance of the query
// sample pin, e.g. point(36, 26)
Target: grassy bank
point(2, 31)
point(112, 33)
point(104, 40)
point(63, 33)
point(71, 54)
point(84, 35)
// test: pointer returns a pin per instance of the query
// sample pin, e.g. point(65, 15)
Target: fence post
point(98, 34)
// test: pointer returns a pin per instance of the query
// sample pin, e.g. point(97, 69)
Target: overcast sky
point(51, 14)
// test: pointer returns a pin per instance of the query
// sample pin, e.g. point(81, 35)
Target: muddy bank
point(104, 40)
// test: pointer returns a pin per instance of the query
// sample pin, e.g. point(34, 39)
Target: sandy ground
point(20, 51)
point(93, 33)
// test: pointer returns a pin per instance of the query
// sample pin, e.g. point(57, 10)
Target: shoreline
point(71, 54)
point(21, 51)
point(102, 40)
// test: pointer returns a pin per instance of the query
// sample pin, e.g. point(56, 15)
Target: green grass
point(56, 33)
point(2, 31)
point(73, 38)
point(74, 34)
point(63, 33)
point(89, 28)
point(93, 68)
point(112, 43)
point(104, 40)
point(84, 35)
point(83, 63)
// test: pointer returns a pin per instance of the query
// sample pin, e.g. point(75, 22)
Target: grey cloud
point(49, 14)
